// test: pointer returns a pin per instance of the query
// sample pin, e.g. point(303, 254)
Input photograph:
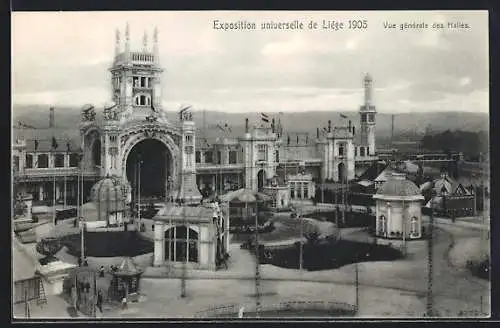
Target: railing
point(209, 167)
point(338, 308)
point(55, 171)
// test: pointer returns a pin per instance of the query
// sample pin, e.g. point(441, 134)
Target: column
point(58, 191)
point(159, 244)
point(213, 182)
point(40, 192)
point(65, 191)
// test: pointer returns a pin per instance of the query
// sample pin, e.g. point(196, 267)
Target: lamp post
point(257, 260)
point(301, 245)
point(430, 269)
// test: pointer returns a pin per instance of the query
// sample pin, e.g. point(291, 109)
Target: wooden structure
point(125, 282)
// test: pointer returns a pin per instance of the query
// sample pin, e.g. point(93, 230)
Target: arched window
point(73, 160)
point(414, 226)
point(181, 243)
point(382, 225)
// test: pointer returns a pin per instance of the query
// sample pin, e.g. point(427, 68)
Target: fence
point(335, 308)
point(27, 289)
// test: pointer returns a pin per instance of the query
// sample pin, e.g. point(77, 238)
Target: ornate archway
point(130, 140)
point(261, 179)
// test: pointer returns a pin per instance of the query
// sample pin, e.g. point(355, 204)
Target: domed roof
point(108, 191)
point(398, 185)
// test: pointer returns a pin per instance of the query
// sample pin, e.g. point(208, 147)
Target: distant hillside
point(417, 122)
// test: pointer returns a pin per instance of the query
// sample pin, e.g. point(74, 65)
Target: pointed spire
point(127, 42)
point(117, 43)
point(145, 41)
point(155, 45)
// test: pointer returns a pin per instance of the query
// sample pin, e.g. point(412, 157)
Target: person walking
point(99, 300)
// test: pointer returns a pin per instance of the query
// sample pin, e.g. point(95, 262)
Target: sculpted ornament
point(88, 113)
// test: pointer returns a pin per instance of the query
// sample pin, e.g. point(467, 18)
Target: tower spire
point(127, 39)
point(117, 43)
point(145, 41)
point(155, 45)
point(368, 89)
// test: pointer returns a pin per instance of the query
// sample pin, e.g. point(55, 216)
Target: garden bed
point(108, 244)
point(327, 254)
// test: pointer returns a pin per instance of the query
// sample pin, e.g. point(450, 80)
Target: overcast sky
point(61, 58)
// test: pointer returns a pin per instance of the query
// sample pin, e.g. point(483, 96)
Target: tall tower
point(136, 75)
point(260, 144)
point(367, 115)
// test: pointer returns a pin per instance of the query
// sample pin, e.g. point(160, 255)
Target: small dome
point(398, 185)
point(109, 194)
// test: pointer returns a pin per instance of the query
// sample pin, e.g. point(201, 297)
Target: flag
point(325, 129)
point(227, 127)
point(36, 144)
point(264, 117)
point(54, 143)
point(343, 116)
point(220, 128)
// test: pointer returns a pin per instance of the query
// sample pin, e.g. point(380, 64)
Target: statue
point(110, 114)
point(185, 115)
point(88, 113)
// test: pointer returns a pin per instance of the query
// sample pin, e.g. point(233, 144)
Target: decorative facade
point(197, 237)
point(169, 158)
point(398, 209)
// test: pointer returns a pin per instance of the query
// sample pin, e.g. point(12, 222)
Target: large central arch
point(149, 164)
point(162, 147)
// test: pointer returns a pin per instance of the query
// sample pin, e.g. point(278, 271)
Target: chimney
point(51, 117)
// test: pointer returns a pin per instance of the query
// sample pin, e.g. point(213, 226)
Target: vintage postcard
point(250, 165)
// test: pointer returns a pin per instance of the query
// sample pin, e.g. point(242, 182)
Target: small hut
point(125, 282)
point(243, 206)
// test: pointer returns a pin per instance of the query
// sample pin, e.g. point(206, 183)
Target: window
point(414, 226)
point(142, 100)
point(197, 156)
point(341, 149)
point(112, 138)
point(277, 156)
point(382, 225)
point(43, 161)
point(209, 157)
point(181, 244)
point(29, 161)
point(355, 151)
point(136, 81)
point(143, 82)
point(367, 151)
point(189, 138)
point(299, 189)
point(363, 118)
point(59, 160)
point(73, 160)
point(219, 157)
point(233, 157)
point(371, 117)
point(306, 190)
point(262, 152)
point(361, 151)
point(292, 190)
